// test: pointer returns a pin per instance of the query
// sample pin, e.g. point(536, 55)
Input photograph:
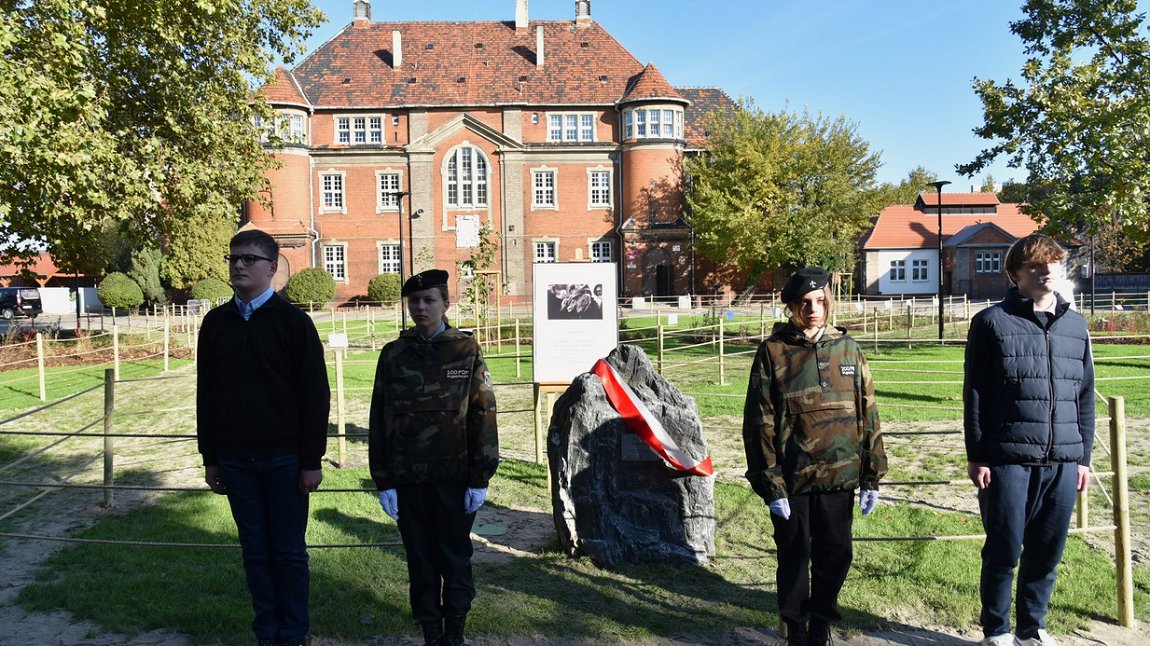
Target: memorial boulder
point(628, 463)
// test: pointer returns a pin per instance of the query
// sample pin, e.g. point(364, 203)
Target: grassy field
point(361, 591)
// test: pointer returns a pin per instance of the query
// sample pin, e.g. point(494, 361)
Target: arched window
point(466, 178)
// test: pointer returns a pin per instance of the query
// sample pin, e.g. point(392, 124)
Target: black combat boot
point(432, 633)
point(796, 632)
point(453, 630)
point(819, 633)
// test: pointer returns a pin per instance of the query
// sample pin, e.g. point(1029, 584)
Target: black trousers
point(815, 553)
point(437, 538)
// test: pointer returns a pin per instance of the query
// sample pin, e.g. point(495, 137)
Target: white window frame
point(596, 250)
point(540, 191)
point(571, 127)
point(385, 198)
point(391, 247)
point(453, 178)
point(358, 129)
point(336, 266)
point(599, 184)
point(988, 262)
point(333, 199)
point(919, 270)
point(653, 123)
point(898, 271)
point(543, 245)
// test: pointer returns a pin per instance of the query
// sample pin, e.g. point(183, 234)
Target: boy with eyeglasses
point(262, 404)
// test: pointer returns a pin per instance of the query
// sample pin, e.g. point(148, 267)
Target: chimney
point(582, 13)
point(539, 46)
point(396, 49)
point(521, 16)
point(361, 10)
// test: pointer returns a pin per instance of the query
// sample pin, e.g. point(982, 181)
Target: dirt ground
point(166, 409)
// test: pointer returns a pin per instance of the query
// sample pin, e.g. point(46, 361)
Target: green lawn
point(361, 592)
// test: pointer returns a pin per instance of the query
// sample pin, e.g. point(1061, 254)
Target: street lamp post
point(938, 188)
point(399, 195)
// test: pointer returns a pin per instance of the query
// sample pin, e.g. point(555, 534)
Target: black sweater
point(262, 387)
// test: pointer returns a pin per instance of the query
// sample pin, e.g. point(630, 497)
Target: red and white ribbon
point(644, 424)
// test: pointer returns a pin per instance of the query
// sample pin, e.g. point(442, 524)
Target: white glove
point(781, 508)
point(390, 504)
point(868, 498)
point(473, 500)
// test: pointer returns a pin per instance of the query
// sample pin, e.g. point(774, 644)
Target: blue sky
point(901, 70)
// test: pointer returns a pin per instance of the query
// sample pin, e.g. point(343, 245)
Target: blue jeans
point(271, 516)
point(1026, 513)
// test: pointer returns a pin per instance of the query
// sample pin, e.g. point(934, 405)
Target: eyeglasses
point(247, 259)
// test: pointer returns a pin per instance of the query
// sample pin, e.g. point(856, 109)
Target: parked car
point(19, 301)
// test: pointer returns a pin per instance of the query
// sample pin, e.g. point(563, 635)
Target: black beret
point(804, 280)
point(424, 280)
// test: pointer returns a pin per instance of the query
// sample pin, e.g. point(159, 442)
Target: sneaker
point(1041, 639)
point(1005, 639)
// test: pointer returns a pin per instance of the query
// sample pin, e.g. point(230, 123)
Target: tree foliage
point(132, 112)
point(196, 247)
point(210, 289)
point(117, 291)
point(781, 190)
point(906, 191)
point(1077, 119)
point(384, 288)
point(311, 286)
point(145, 270)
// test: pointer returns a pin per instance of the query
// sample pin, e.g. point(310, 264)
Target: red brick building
point(405, 139)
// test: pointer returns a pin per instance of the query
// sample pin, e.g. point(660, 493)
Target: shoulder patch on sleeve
point(487, 378)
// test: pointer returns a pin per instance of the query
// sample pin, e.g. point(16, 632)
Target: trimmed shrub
point(312, 286)
point(384, 288)
point(117, 291)
point(211, 289)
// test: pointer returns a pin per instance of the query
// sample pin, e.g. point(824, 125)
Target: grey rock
point(613, 498)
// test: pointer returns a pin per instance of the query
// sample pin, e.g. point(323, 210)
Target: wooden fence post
point(109, 426)
point(518, 365)
point(722, 357)
point(1123, 564)
point(40, 366)
point(659, 348)
point(167, 339)
point(340, 412)
point(116, 351)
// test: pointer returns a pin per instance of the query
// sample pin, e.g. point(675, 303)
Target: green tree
point(311, 286)
point(145, 270)
point(1077, 119)
point(384, 288)
point(211, 289)
point(117, 291)
point(781, 190)
point(477, 291)
point(196, 247)
point(906, 191)
point(133, 112)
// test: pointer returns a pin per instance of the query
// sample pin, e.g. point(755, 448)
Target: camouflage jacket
point(432, 413)
point(810, 423)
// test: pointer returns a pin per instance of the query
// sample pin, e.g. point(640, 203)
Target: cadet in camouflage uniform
point(433, 448)
point(811, 433)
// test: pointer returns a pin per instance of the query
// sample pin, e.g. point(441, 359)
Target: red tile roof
point(650, 84)
point(907, 227)
point(41, 265)
point(930, 198)
point(468, 64)
point(284, 89)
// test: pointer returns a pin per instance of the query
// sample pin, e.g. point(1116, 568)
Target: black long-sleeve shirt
point(262, 387)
